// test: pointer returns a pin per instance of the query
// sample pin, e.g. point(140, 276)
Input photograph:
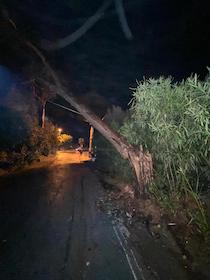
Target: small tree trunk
point(43, 115)
point(90, 149)
point(142, 165)
point(122, 19)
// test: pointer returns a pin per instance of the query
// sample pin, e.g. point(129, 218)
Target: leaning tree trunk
point(43, 114)
point(140, 161)
point(122, 19)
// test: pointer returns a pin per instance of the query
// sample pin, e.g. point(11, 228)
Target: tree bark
point(122, 19)
point(66, 41)
point(90, 148)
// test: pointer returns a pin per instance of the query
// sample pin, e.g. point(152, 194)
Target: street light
point(60, 130)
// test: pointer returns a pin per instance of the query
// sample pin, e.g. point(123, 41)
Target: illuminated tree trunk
point(90, 149)
point(43, 115)
point(140, 161)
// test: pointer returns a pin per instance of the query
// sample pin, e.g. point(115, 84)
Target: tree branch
point(122, 19)
point(66, 41)
point(52, 20)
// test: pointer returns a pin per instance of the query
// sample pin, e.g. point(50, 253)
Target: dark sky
point(168, 29)
point(170, 38)
point(178, 28)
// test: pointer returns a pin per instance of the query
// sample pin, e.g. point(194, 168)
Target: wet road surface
point(51, 229)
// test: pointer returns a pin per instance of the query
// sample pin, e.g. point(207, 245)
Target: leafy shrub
point(171, 120)
point(13, 129)
point(63, 138)
point(42, 141)
point(39, 141)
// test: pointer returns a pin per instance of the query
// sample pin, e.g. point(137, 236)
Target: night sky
point(170, 38)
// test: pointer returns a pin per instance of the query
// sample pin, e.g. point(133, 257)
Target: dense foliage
point(108, 159)
point(172, 121)
point(63, 138)
point(18, 151)
point(13, 128)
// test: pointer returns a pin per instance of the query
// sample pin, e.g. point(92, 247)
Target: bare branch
point(52, 20)
point(122, 19)
point(66, 41)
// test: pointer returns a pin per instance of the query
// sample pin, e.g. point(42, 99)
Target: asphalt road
point(51, 228)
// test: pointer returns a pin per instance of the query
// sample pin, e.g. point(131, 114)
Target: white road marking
point(139, 268)
point(122, 234)
point(126, 254)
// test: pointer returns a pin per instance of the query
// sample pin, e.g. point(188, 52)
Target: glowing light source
point(60, 130)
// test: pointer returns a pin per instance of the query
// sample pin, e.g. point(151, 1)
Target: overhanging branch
point(66, 41)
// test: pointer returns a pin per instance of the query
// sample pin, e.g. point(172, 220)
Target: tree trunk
point(90, 148)
point(66, 41)
point(140, 161)
point(122, 19)
point(43, 115)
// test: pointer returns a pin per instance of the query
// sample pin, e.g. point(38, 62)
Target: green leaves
point(172, 121)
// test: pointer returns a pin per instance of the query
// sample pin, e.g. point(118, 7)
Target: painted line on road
point(137, 265)
point(126, 254)
point(122, 234)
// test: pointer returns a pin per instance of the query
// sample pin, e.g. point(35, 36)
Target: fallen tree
point(140, 161)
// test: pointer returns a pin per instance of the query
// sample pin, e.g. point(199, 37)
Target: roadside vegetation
point(171, 121)
point(23, 140)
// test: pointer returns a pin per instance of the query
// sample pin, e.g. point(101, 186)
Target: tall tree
point(43, 94)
